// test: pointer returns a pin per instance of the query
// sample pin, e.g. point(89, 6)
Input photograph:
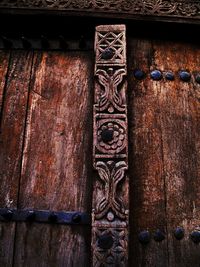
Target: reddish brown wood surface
point(11, 140)
point(180, 126)
point(147, 197)
point(57, 159)
point(12, 125)
point(164, 153)
point(164, 160)
point(4, 62)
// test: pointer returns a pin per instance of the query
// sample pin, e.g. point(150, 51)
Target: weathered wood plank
point(4, 61)
point(12, 126)
point(11, 140)
point(147, 185)
point(180, 122)
point(57, 162)
point(46, 245)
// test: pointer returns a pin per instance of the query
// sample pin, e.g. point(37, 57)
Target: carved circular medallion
point(113, 143)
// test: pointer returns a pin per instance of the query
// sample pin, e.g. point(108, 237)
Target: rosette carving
point(111, 136)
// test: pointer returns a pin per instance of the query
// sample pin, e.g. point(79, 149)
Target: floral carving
point(158, 6)
point(170, 8)
point(111, 174)
point(188, 9)
point(110, 81)
point(118, 135)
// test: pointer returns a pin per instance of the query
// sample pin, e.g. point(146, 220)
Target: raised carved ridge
point(110, 153)
point(167, 8)
point(111, 174)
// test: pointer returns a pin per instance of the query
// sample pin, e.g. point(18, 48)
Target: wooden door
point(46, 155)
point(46, 162)
point(164, 158)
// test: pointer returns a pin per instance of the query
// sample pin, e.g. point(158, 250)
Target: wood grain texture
point(12, 126)
point(180, 124)
point(11, 140)
point(164, 151)
point(47, 245)
point(57, 159)
point(7, 234)
point(4, 62)
point(147, 185)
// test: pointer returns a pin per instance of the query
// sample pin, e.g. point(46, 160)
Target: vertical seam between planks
point(164, 179)
point(4, 88)
point(1, 115)
point(22, 152)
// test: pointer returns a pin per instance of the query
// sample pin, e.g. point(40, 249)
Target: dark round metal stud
point(7, 215)
point(107, 135)
point(108, 53)
point(139, 74)
point(195, 236)
point(30, 216)
point(105, 242)
point(179, 233)
point(159, 236)
point(144, 237)
point(185, 76)
point(53, 217)
point(197, 78)
point(156, 75)
point(76, 218)
point(169, 76)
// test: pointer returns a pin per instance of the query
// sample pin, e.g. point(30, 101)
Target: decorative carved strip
point(110, 150)
point(165, 8)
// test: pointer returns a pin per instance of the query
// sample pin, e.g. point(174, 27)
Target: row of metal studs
point(157, 75)
point(44, 216)
point(44, 42)
point(145, 236)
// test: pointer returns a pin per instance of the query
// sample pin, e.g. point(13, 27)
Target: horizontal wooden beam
point(187, 11)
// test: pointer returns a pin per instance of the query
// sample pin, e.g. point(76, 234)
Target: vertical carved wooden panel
point(110, 150)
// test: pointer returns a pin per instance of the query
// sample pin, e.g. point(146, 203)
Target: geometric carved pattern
point(114, 256)
point(165, 8)
point(114, 40)
point(110, 153)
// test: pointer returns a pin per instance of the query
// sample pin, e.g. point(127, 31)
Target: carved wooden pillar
point(110, 150)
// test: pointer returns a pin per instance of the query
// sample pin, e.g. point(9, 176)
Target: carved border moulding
point(158, 8)
point(110, 149)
